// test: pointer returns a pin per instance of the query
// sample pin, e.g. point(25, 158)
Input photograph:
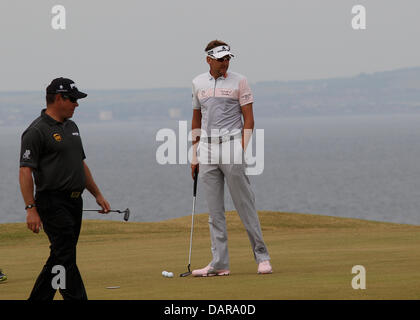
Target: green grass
point(312, 258)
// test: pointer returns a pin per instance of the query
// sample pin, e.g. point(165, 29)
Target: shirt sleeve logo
point(202, 94)
point(26, 155)
point(57, 137)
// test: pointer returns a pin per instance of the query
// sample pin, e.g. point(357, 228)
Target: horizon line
point(255, 83)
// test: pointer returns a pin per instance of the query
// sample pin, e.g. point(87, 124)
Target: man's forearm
point(90, 183)
point(247, 133)
point(94, 190)
point(248, 124)
point(26, 182)
point(26, 185)
point(196, 134)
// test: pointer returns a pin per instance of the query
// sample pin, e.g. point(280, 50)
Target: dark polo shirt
point(55, 152)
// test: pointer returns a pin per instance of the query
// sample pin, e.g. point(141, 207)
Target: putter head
point(126, 214)
point(186, 274)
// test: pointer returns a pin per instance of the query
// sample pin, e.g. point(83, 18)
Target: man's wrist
point(98, 195)
point(30, 206)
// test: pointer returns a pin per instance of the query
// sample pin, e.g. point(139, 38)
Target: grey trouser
point(213, 178)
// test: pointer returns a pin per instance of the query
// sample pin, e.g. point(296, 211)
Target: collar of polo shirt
point(223, 77)
point(50, 120)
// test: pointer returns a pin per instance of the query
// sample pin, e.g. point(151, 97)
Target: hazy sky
point(149, 44)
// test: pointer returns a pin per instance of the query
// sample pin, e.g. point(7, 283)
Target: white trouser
point(213, 177)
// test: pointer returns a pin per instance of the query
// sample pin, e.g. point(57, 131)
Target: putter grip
point(195, 181)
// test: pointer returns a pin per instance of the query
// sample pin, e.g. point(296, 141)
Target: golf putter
point(126, 212)
point(185, 274)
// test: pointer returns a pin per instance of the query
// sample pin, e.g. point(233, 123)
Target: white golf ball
point(165, 273)
point(170, 275)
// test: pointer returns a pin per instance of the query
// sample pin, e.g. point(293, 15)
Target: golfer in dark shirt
point(52, 154)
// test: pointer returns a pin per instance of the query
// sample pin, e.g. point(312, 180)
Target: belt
point(221, 139)
point(64, 194)
point(75, 194)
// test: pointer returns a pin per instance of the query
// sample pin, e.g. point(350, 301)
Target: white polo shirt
point(220, 102)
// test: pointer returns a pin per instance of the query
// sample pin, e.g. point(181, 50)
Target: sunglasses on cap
point(72, 99)
point(225, 58)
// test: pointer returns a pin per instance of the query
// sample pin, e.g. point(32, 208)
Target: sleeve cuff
point(26, 164)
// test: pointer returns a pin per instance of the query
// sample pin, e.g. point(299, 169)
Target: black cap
point(66, 86)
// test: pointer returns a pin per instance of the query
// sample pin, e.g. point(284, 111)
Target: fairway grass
point(312, 258)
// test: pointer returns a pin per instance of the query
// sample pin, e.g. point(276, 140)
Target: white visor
point(219, 52)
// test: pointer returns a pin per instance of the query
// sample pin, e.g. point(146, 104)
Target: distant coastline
point(387, 92)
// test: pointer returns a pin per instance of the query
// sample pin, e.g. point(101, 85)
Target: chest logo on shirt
point(57, 137)
point(226, 92)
